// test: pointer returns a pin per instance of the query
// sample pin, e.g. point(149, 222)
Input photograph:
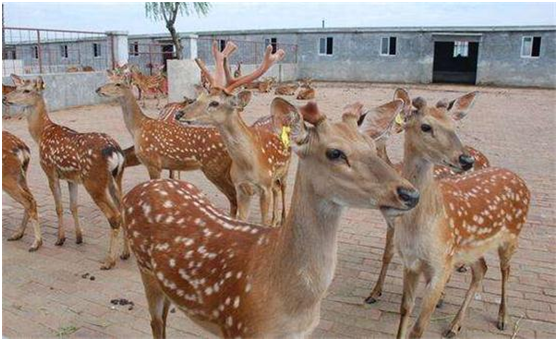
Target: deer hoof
point(60, 241)
point(107, 265)
point(125, 256)
point(373, 298)
point(17, 236)
point(79, 240)
point(501, 325)
point(440, 303)
point(36, 245)
point(462, 269)
point(449, 334)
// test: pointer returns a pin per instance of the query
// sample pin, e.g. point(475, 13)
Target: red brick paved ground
point(44, 294)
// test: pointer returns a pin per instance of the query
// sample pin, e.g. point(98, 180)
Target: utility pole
point(323, 22)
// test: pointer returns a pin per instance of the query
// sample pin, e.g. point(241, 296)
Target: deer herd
point(444, 205)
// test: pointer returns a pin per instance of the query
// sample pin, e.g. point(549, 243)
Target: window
point(388, 46)
point(222, 44)
point(326, 46)
point(35, 52)
point(460, 49)
point(531, 47)
point(134, 49)
point(272, 42)
point(96, 50)
point(64, 51)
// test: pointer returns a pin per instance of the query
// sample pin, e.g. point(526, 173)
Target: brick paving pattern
point(45, 294)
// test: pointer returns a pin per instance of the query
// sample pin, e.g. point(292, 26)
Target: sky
point(235, 16)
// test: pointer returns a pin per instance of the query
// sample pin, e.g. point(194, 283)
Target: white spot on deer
point(248, 287)
point(229, 321)
point(236, 303)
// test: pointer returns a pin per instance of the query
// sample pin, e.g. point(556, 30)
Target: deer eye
point(335, 154)
point(213, 104)
point(26, 91)
point(425, 127)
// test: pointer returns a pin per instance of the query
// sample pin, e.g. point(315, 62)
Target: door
point(455, 62)
point(168, 53)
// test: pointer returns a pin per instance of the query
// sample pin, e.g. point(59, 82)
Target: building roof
point(430, 29)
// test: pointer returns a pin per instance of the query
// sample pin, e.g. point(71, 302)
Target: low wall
point(183, 74)
point(66, 90)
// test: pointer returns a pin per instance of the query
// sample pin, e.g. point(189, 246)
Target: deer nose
point(98, 90)
point(466, 161)
point(410, 197)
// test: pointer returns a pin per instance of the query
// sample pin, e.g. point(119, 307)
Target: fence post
point(39, 51)
point(118, 40)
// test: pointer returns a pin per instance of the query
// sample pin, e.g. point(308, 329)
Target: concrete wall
point(183, 74)
point(65, 90)
point(500, 61)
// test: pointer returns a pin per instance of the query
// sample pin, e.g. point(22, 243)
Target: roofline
point(433, 29)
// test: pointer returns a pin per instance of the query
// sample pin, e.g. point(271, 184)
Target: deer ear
point(40, 84)
point(243, 98)
point(459, 107)
point(378, 122)
point(199, 90)
point(18, 81)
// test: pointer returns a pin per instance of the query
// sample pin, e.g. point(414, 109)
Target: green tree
point(169, 11)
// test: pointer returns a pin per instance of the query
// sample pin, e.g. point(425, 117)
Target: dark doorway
point(455, 62)
point(168, 53)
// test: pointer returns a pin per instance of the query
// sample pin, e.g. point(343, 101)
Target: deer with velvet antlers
point(260, 160)
point(458, 219)
point(240, 280)
point(15, 162)
point(440, 172)
point(92, 159)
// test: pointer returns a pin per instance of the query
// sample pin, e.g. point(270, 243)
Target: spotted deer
point(145, 84)
point(15, 162)
point(440, 172)
point(286, 89)
point(260, 160)
point(94, 160)
point(241, 280)
point(306, 91)
point(458, 219)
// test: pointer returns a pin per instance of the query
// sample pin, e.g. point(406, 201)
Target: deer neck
point(37, 119)
point(239, 141)
point(306, 248)
point(420, 173)
point(133, 116)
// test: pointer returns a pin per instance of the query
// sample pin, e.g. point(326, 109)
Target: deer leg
point(283, 199)
point(73, 189)
point(265, 201)
point(54, 185)
point(112, 213)
point(158, 305)
point(20, 193)
point(478, 271)
point(434, 288)
point(117, 200)
point(386, 260)
point(505, 252)
point(275, 221)
point(410, 281)
point(154, 173)
point(243, 196)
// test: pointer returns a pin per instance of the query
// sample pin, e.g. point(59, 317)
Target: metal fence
point(33, 50)
point(150, 57)
point(248, 52)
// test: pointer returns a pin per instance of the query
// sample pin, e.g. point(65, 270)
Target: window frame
point(461, 43)
point(271, 41)
point(530, 55)
point(325, 38)
point(98, 50)
point(134, 51)
point(64, 51)
point(35, 51)
point(388, 54)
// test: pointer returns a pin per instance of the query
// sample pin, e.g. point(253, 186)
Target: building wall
point(500, 62)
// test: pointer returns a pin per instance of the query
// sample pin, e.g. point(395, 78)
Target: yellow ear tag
point(399, 119)
point(285, 131)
